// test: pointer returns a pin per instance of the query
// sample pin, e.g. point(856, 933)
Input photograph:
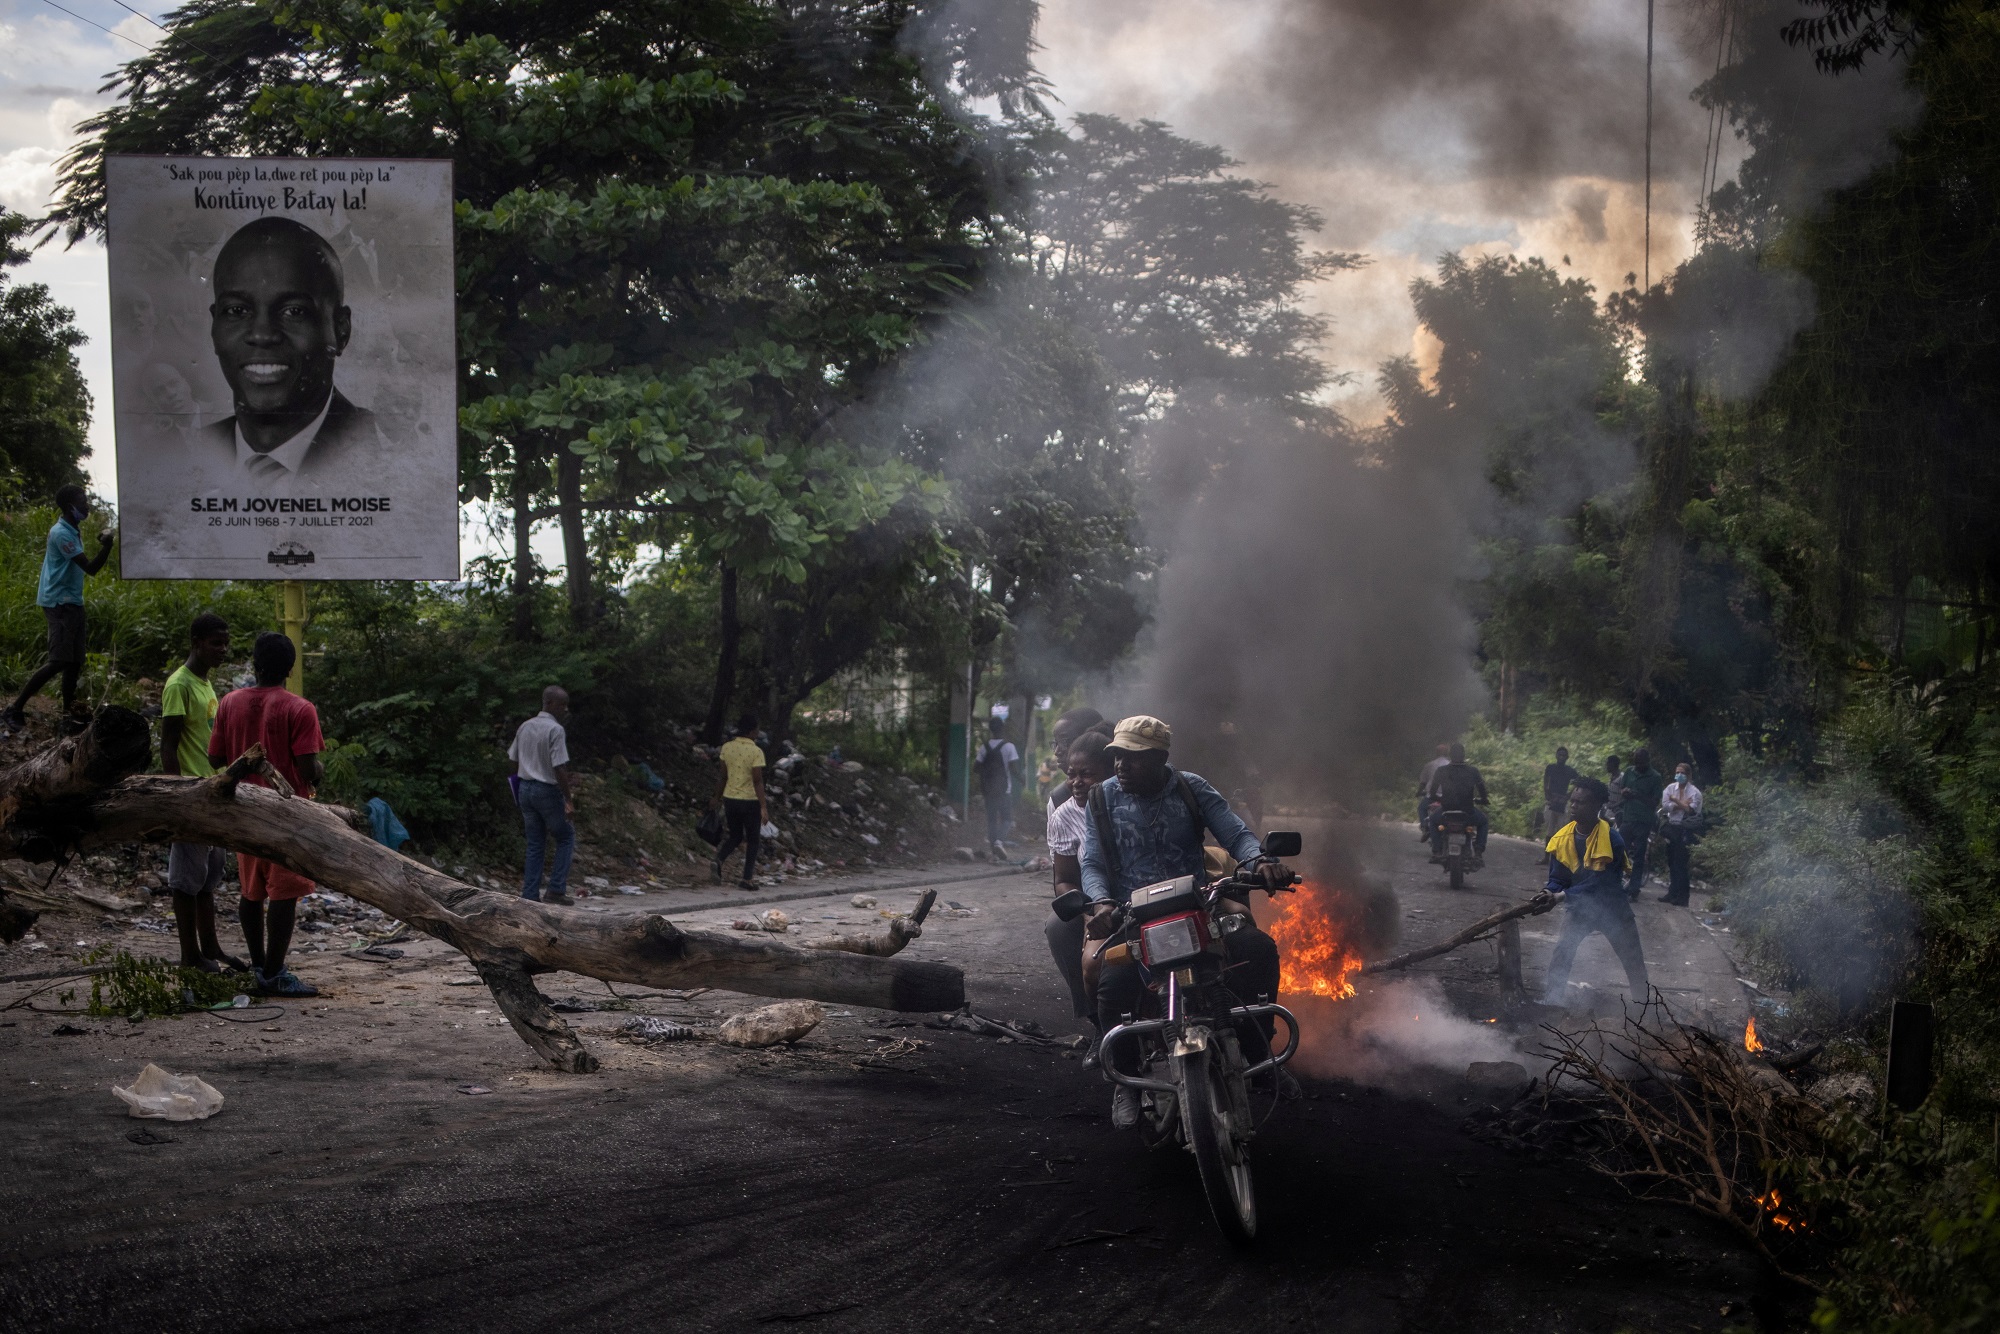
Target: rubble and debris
point(862, 901)
point(787, 1021)
point(165, 1096)
point(774, 919)
point(1021, 1030)
point(650, 1028)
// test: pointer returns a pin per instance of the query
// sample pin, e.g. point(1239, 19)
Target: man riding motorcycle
point(1146, 825)
point(1459, 787)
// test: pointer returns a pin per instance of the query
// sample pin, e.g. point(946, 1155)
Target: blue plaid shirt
point(1157, 839)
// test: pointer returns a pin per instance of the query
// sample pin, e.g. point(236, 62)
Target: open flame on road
point(1773, 1205)
point(1314, 956)
point(1751, 1042)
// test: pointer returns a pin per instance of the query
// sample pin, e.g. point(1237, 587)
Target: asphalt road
point(349, 1184)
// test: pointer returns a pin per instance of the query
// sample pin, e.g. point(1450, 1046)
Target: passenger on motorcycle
point(1459, 787)
point(1146, 825)
point(1088, 764)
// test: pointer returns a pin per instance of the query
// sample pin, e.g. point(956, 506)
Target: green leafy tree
point(686, 234)
point(44, 404)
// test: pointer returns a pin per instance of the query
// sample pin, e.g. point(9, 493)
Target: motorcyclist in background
point(1146, 825)
point(1460, 788)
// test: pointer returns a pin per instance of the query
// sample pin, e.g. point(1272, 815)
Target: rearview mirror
point(1282, 845)
point(1068, 907)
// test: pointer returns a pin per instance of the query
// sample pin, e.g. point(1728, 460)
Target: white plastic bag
point(169, 1097)
point(770, 830)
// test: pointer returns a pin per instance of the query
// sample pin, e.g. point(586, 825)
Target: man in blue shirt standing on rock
point(60, 597)
point(1586, 866)
point(1146, 825)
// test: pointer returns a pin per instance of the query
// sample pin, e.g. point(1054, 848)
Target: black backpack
point(993, 765)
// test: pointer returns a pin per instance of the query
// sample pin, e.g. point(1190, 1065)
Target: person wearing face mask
point(1680, 827)
point(60, 596)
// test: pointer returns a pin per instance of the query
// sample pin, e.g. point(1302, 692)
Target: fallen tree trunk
point(71, 798)
point(1541, 903)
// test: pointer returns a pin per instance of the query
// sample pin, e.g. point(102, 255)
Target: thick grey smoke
point(1309, 621)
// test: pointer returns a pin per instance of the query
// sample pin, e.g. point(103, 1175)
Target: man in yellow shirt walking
point(741, 792)
point(187, 719)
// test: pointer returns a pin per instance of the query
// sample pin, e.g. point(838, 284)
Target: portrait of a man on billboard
point(279, 323)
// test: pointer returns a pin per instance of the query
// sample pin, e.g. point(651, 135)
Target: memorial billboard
point(284, 367)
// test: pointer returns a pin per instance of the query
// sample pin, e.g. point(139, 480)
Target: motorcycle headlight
point(1172, 940)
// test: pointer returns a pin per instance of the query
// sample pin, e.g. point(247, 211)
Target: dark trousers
point(999, 815)
point(1066, 947)
point(744, 820)
point(1252, 975)
point(1679, 842)
point(544, 820)
point(1637, 840)
point(1606, 911)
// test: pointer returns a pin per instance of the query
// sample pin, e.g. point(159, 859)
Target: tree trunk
point(524, 551)
point(576, 555)
point(72, 796)
point(731, 628)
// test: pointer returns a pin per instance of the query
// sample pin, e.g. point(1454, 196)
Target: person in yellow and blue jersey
point(1586, 868)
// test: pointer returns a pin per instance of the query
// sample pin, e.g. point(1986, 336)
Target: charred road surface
point(391, 1157)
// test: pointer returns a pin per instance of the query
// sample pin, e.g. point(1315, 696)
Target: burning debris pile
point(1316, 933)
point(1680, 1114)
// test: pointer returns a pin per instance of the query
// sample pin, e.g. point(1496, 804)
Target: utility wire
point(141, 13)
point(1648, 261)
point(100, 27)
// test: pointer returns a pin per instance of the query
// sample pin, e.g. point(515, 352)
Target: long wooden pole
point(1541, 903)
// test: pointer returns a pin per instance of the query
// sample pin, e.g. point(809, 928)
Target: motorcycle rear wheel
point(1218, 1152)
point(1458, 873)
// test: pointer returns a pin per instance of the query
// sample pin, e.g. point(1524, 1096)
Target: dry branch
point(77, 795)
point(1702, 1124)
point(1541, 903)
point(900, 932)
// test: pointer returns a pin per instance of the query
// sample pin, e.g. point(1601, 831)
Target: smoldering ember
point(1037, 664)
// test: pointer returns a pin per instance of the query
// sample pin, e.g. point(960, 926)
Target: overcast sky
point(1414, 126)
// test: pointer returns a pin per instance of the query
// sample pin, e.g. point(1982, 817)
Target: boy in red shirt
point(289, 729)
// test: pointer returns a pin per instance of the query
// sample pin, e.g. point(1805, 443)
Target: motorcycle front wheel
point(1218, 1150)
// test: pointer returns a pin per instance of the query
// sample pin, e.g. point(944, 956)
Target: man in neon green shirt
point(187, 717)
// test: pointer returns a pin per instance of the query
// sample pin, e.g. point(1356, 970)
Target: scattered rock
point(630, 889)
point(862, 901)
point(774, 919)
point(964, 854)
point(787, 1021)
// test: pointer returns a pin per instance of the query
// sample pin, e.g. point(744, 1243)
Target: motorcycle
point(1451, 843)
point(1194, 1079)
